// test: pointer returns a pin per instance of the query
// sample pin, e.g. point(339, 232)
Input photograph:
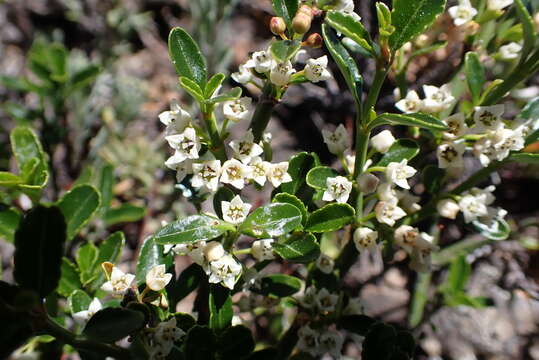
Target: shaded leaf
point(78, 206)
point(112, 324)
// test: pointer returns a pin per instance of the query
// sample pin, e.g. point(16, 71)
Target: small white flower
point(337, 188)
point(245, 148)
point(498, 4)
point(331, 342)
point(281, 72)
point(337, 141)
point(326, 301)
point(186, 144)
point(213, 251)
point(237, 110)
point(406, 237)
point(365, 238)
point(450, 155)
point(168, 332)
point(308, 340)
point(176, 119)
point(448, 208)
point(488, 118)
point(325, 264)
point(259, 170)
point(346, 6)
point(119, 282)
point(261, 61)
point(421, 256)
point(398, 173)
point(194, 250)
point(278, 173)
point(472, 207)
point(235, 211)
point(510, 51)
point(234, 172)
point(386, 192)
point(182, 167)
point(462, 13)
point(309, 298)
point(157, 279)
point(497, 145)
point(82, 317)
point(263, 249)
point(383, 141)
point(437, 99)
point(206, 174)
point(243, 76)
point(225, 271)
point(411, 103)
point(388, 212)
point(367, 183)
point(457, 126)
point(316, 69)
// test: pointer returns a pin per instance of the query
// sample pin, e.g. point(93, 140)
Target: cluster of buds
point(301, 23)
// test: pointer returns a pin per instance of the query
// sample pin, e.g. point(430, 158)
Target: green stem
point(217, 144)
point(263, 111)
point(242, 251)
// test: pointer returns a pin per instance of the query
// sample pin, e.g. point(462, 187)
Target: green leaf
point(26, 148)
point(433, 178)
point(213, 84)
point(384, 20)
point(186, 57)
point(317, 177)
point(235, 343)
point(286, 9)
point(222, 194)
point(110, 250)
point(150, 255)
point(498, 230)
point(78, 301)
point(417, 119)
point(298, 167)
point(459, 273)
point(39, 245)
point(475, 75)
point(351, 28)
point(192, 88)
point(8, 179)
point(106, 183)
point(292, 200)
point(9, 221)
point(331, 217)
point(125, 213)
point(57, 60)
point(200, 343)
point(411, 18)
point(112, 324)
point(284, 50)
point(187, 282)
point(271, 220)
point(300, 249)
point(86, 260)
point(401, 149)
point(84, 77)
point(526, 158)
point(528, 29)
point(70, 278)
point(192, 229)
point(279, 285)
point(230, 95)
point(346, 64)
point(220, 304)
point(78, 206)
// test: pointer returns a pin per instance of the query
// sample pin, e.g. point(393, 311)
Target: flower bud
point(368, 183)
point(301, 23)
point(307, 10)
point(422, 40)
point(314, 41)
point(448, 208)
point(471, 28)
point(277, 25)
point(383, 141)
point(214, 251)
point(157, 279)
point(365, 238)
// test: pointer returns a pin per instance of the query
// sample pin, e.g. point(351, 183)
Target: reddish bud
point(277, 25)
point(314, 41)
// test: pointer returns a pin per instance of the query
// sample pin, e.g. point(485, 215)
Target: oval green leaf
point(317, 177)
point(300, 249)
point(113, 324)
point(186, 57)
point(279, 285)
point(78, 206)
point(272, 220)
point(350, 27)
point(401, 149)
point(192, 229)
point(417, 119)
point(292, 200)
point(331, 217)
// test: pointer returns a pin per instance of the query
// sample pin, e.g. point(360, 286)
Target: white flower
point(326, 301)
point(237, 110)
point(338, 189)
point(411, 103)
point(383, 141)
point(399, 172)
point(261, 61)
point(278, 173)
point(386, 192)
point(263, 249)
point(308, 340)
point(462, 13)
point(472, 207)
point(510, 51)
point(194, 250)
point(213, 251)
point(235, 173)
point(421, 256)
point(186, 144)
point(346, 6)
point(245, 148)
point(498, 4)
point(457, 126)
point(182, 167)
point(206, 174)
point(388, 212)
point(176, 119)
point(157, 279)
point(281, 72)
point(325, 264)
point(316, 69)
point(365, 238)
point(235, 211)
point(368, 183)
point(337, 141)
point(225, 271)
point(259, 170)
point(309, 298)
point(164, 336)
point(437, 99)
point(488, 117)
point(497, 145)
point(243, 76)
point(119, 282)
point(448, 208)
point(331, 342)
point(450, 155)
point(406, 237)
point(82, 317)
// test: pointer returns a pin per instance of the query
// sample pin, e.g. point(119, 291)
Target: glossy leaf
point(213, 84)
point(351, 28)
point(192, 229)
point(192, 88)
point(86, 260)
point(235, 343)
point(317, 177)
point(151, 254)
point(475, 75)
point(39, 246)
point(292, 200)
point(78, 301)
point(526, 158)
point(301, 249)
point(186, 57)
point(286, 9)
point(284, 50)
point(401, 149)
point(417, 119)
point(230, 95)
point(8, 179)
point(298, 167)
point(331, 217)
point(125, 213)
point(272, 220)
point(411, 18)
point(70, 278)
point(31, 160)
point(112, 324)
point(279, 285)
point(9, 221)
point(78, 206)
point(220, 305)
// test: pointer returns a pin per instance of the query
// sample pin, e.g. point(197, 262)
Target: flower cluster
point(162, 338)
point(418, 245)
point(436, 99)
